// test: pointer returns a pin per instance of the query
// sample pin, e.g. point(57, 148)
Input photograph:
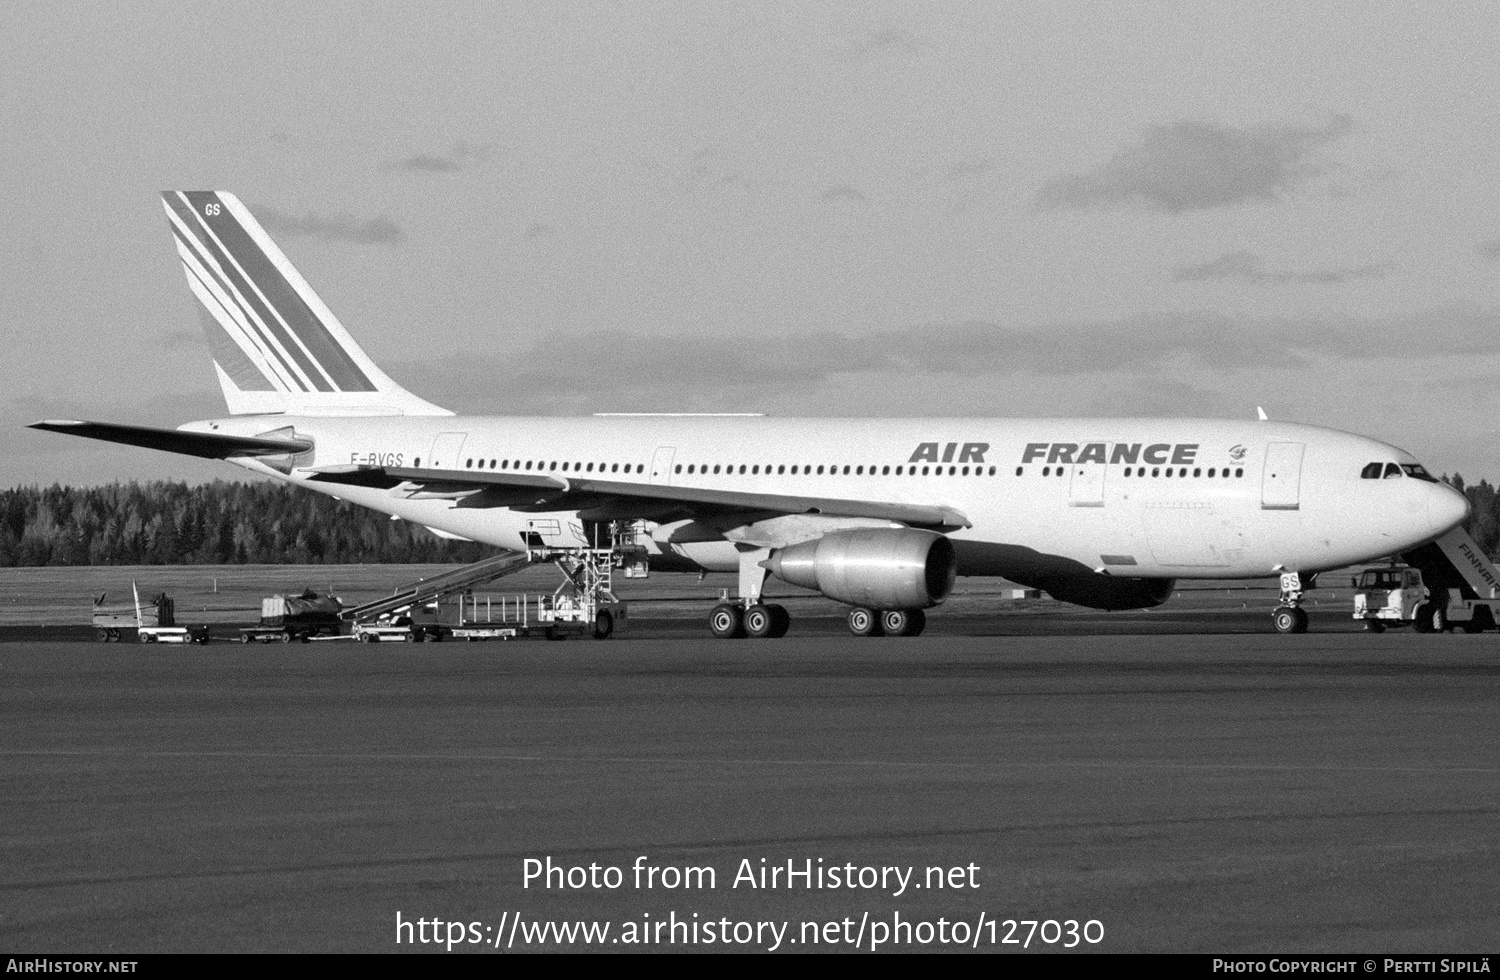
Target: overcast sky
point(822, 209)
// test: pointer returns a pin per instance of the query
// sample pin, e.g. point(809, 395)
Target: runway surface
point(1221, 790)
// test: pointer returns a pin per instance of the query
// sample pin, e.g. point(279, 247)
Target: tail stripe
point(232, 354)
point(250, 299)
point(276, 297)
point(255, 342)
point(276, 346)
point(259, 262)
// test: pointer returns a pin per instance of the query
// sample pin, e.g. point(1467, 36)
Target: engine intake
point(895, 568)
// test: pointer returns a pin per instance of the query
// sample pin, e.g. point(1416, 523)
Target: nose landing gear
point(1289, 616)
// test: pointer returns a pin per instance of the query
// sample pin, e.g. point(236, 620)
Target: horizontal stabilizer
point(207, 445)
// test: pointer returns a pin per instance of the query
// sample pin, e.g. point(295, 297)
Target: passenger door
point(1281, 480)
point(447, 449)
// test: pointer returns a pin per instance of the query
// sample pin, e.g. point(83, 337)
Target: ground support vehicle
point(154, 622)
point(445, 606)
point(387, 629)
point(1448, 584)
point(284, 618)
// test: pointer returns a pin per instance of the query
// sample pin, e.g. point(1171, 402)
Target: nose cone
point(1446, 508)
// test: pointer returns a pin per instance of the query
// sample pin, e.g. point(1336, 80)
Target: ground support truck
point(284, 618)
point(1446, 585)
point(154, 621)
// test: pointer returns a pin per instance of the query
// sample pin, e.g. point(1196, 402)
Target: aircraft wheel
point(725, 622)
point(864, 622)
point(1289, 619)
point(783, 620)
point(760, 622)
point(604, 624)
point(917, 623)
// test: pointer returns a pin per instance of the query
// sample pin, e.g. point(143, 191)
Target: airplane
point(880, 514)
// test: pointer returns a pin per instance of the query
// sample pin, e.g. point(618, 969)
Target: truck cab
point(1389, 596)
point(1399, 595)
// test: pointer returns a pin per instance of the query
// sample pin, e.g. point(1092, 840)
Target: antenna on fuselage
point(1261, 414)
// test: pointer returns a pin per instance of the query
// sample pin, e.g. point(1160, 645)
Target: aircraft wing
point(207, 445)
point(620, 499)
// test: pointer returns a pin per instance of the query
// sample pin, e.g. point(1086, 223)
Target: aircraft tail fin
point(276, 345)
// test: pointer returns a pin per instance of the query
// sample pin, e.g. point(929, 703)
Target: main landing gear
point(750, 616)
point(1289, 616)
point(759, 620)
point(768, 620)
point(889, 622)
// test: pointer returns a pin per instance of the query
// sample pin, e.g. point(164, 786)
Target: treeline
point(219, 523)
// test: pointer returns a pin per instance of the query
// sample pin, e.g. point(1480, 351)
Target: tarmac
point(1179, 780)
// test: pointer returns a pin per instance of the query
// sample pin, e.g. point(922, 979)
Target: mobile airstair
point(585, 601)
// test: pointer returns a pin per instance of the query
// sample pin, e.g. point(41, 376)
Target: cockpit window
point(1415, 471)
point(1392, 471)
point(1371, 471)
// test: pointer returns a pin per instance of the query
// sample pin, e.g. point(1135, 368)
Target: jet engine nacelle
point(882, 568)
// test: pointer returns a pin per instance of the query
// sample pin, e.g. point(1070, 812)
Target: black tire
point(1426, 618)
point(367, 637)
point(1285, 620)
point(918, 623)
point(726, 622)
point(1374, 626)
point(903, 622)
point(895, 622)
point(244, 637)
point(604, 624)
point(864, 622)
point(286, 637)
point(101, 636)
point(1479, 623)
point(783, 621)
point(759, 622)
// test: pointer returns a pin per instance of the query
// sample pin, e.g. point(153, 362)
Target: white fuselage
point(1139, 498)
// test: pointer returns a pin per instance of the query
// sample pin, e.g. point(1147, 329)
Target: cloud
point(1489, 250)
point(340, 228)
point(540, 230)
point(461, 157)
point(714, 374)
point(1195, 166)
point(1249, 267)
point(842, 192)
